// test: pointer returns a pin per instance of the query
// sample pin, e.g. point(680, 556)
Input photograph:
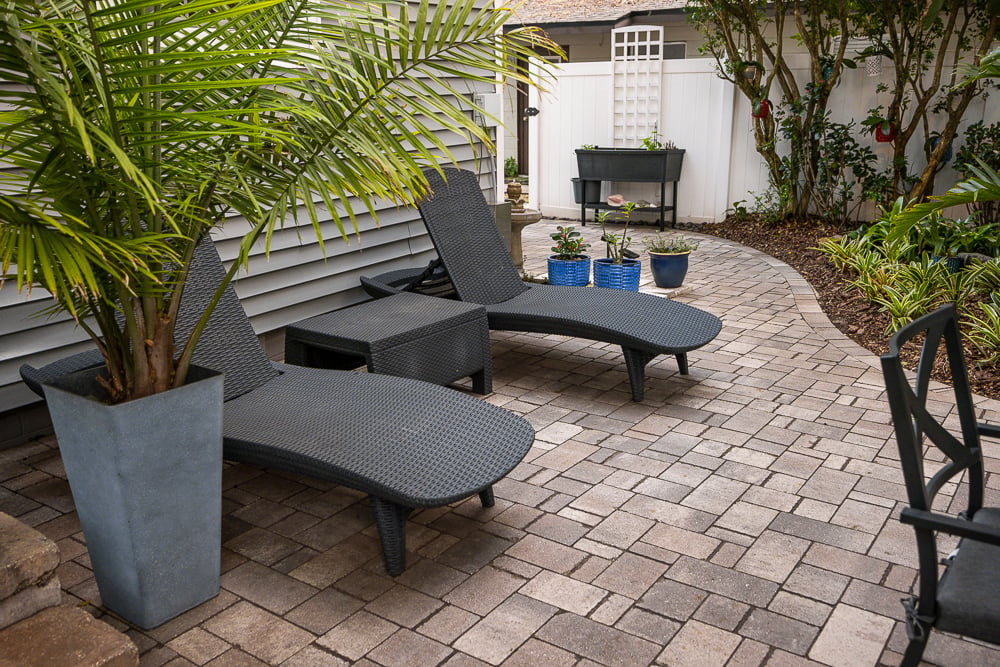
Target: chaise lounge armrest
point(36, 377)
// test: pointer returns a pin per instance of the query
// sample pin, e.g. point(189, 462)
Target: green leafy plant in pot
point(668, 258)
point(135, 128)
point(620, 269)
point(568, 265)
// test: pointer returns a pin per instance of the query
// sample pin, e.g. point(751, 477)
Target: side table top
point(401, 314)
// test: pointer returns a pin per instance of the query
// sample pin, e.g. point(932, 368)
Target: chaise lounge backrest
point(228, 344)
point(461, 225)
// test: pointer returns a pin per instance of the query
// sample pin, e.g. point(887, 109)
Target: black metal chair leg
point(391, 521)
point(486, 497)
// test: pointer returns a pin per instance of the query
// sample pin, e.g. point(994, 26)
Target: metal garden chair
point(965, 598)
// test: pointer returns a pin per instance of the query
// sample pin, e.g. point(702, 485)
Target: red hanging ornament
point(885, 132)
point(761, 108)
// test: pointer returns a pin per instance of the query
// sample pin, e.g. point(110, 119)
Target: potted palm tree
point(568, 266)
point(668, 259)
point(134, 129)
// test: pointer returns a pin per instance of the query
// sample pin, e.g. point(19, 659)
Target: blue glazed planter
point(617, 276)
point(668, 269)
point(569, 271)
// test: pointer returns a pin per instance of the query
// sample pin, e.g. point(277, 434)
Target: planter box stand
point(635, 165)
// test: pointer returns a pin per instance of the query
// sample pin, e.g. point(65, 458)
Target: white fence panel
point(695, 114)
point(576, 110)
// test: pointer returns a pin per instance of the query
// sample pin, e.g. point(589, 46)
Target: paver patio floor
point(742, 515)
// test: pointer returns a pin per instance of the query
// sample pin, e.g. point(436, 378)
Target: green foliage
point(981, 147)
point(672, 244)
point(984, 332)
point(570, 243)
point(618, 242)
point(136, 127)
point(510, 168)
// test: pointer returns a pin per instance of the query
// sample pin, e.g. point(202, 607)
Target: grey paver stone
point(819, 531)
point(851, 636)
point(484, 590)
point(564, 592)
point(682, 541)
point(600, 643)
point(673, 599)
point(198, 646)
point(773, 556)
point(746, 518)
point(535, 653)
point(722, 612)
point(648, 625)
point(816, 584)
point(713, 578)
point(324, 610)
point(630, 575)
point(404, 606)
point(258, 632)
point(408, 648)
point(504, 629)
point(269, 588)
point(700, 644)
point(357, 635)
point(546, 553)
point(786, 633)
point(620, 529)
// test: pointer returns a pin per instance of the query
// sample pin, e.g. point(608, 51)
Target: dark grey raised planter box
point(630, 164)
point(636, 165)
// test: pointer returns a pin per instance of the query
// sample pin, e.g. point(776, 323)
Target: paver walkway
point(742, 515)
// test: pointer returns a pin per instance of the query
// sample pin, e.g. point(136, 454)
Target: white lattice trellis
point(637, 61)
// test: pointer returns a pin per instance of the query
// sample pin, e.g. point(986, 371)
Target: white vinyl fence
point(700, 113)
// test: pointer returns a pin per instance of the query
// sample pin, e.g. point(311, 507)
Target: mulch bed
point(791, 242)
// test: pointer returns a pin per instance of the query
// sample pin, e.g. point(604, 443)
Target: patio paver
point(742, 515)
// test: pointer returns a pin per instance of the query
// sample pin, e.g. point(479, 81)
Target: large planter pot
point(668, 269)
point(146, 478)
point(569, 271)
point(618, 276)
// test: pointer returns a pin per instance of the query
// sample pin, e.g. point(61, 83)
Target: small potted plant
point(617, 270)
point(568, 266)
point(668, 258)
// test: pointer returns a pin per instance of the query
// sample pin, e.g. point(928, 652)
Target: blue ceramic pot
point(617, 276)
point(569, 271)
point(668, 269)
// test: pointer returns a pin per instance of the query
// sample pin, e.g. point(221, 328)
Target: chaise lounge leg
point(486, 497)
point(635, 362)
point(682, 362)
point(482, 382)
point(391, 521)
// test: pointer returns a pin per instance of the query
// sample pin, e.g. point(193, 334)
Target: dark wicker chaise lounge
point(406, 443)
point(461, 225)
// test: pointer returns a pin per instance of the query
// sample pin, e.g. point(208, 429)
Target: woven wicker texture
point(461, 225)
point(228, 343)
point(462, 228)
point(413, 443)
point(408, 335)
point(407, 443)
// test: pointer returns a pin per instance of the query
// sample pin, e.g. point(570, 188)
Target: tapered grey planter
point(146, 478)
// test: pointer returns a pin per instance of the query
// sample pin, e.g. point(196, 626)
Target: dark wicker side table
point(407, 335)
